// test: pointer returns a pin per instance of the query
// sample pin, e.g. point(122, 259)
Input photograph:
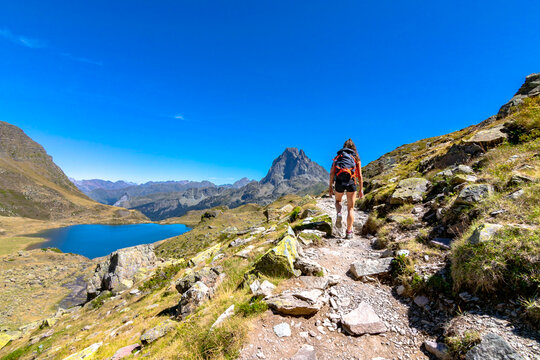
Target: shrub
point(532, 311)
point(162, 277)
point(372, 225)
point(294, 214)
point(100, 299)
point(509, 263)
point(252, 307)
point(458, 346)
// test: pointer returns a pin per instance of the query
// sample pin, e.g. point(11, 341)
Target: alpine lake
point(99, 240)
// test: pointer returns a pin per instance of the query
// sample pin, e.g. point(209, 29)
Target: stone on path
point(369, 267)
point(306, 352)
point(87, 353)
point(439, 350)
point(321, 283)
point(125, 351)
point(492, 347)
point(363, 320)
point(158, 331)
point(282, 330)
point(410, 190)
point(290, 305)
point(308, 267)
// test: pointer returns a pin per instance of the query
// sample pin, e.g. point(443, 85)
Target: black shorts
point(341, 187)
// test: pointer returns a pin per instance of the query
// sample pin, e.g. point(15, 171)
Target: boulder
point(306, 352)
point(410, 190)
point(439, 350)
point(195, 296)
point(463, 169)
point(87, 353)
point(362, 320)
point(484, 232)
point(205, 255)
point(321, 283)
point(288, 304)
point(209, 276)
point(279, 261)
point(489, 137)
point(369, 267)
point(264, 289)
point(125, 351)
point(474, 193)
point(117, 270)
point(492, 347)
point(158, 331)
point(308, 267)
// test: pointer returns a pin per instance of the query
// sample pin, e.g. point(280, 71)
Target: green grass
point(100, 300)
point(162, 277)
point(458, 346)
point(252, 307)
point(507, 264)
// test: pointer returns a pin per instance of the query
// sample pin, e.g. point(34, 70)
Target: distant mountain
point(87, 186)
point(291, 173)
point(33, 186)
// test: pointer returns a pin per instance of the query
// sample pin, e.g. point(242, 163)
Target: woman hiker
point(346, 175)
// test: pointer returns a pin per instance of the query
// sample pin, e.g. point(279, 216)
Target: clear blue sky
point(157, 90)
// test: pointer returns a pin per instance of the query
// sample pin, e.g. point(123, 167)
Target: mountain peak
point(294, 163)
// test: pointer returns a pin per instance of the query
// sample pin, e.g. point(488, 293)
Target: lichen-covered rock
point(279, 261)
point(117, 270)
point(321, 223)
point(363, 320)
point(158, 331)
point(474, 193)
point(462, 179)
point(492, 347)
point(204, 255)
point(410, 190)
point(85, 354)
point(519, 179)
point(484, 232)
point(369, 267)
point(199, 292)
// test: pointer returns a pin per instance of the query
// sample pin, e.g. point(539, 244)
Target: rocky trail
point(359, 317)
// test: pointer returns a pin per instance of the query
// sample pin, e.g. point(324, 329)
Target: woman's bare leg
point(339, 197)
point(351, 199)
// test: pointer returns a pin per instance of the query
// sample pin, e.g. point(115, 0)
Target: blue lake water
point(99, 240)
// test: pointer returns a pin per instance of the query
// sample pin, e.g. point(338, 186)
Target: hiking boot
point(348, 235)
point(339, 221)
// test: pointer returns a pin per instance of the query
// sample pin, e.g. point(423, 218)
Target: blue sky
point(162, 90)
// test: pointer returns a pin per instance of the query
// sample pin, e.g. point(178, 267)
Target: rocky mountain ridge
point(291, 173)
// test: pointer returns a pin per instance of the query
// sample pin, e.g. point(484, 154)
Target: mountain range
point(291, 172)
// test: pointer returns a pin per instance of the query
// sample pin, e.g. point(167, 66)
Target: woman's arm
point(331, 186)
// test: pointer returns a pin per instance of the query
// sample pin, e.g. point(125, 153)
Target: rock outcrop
point(492, 347)
point(410, 190)
point(530, 88)
point(117, 270)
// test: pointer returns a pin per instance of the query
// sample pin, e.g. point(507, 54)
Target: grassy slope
point(192, 338)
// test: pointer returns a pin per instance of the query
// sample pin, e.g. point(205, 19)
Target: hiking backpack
point(345, 163)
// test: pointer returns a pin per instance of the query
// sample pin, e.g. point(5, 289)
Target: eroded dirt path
point(322, 331)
